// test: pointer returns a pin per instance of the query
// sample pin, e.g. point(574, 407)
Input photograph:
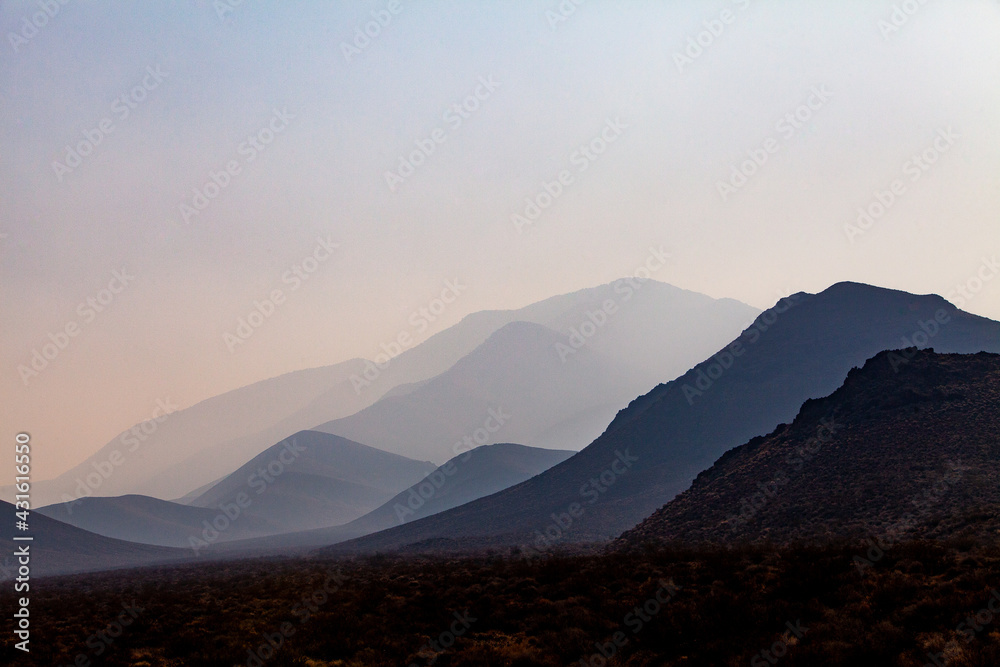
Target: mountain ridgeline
point(648, 331)
point(907, 448)
point(802, 348)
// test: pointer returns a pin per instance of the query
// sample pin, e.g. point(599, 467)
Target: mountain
point(513, 387)
point(802, 348)
point(252, 417)
point(58, 548)
point(908, 447)
point(307, 481)
point(560, 380)
point(169, 458)
point(146, 520)
point(474, 474)
point(313, 480)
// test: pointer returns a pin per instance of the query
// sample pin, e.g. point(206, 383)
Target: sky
point(169, 168)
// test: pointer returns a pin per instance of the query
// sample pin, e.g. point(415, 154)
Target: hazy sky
point(173, 93)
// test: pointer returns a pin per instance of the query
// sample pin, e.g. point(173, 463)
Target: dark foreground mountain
point(468, 476)
point(803, 348)
point(908, 448)
point(58, 548)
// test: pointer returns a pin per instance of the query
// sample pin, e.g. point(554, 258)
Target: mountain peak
point(906, 424)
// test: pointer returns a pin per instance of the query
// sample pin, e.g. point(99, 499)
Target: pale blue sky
point(323, 175)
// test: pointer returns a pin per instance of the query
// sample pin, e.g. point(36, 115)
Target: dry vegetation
point(729, 605)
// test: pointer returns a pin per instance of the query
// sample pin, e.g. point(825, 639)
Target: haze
point(669, 130)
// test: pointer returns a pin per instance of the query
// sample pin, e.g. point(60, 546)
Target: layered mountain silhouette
point(466, 477)
point(58, 548)
point(656, 331)
point(513, 387)
point(147, 520)
point(908, 447)
point(172, 454)
point(802, 348)
point(306, 481)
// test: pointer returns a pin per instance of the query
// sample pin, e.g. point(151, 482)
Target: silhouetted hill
point(58, 548)
point(307, 481)
point(906, 448)
point(150, 520)
point(168, 458)
point(468, 476)
point(314, 479)
point(803, 348)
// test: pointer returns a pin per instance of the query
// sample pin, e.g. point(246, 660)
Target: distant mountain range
point(802, 348)
point(466, 477)
point(908, 447)
point(58, 548)
point(308, 480)
point(318, 488)
point(513, 387)
point(646, 331)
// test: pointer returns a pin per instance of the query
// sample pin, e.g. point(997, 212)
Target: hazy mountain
point(247, 416)
point(306, 481)
point(148, 520)
point(513, 387)
point(58, 548)
point(801, 349)
point(561, 373)
point(313, 479)
point(468, 476)
point(195, 446)
point(908, 447)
